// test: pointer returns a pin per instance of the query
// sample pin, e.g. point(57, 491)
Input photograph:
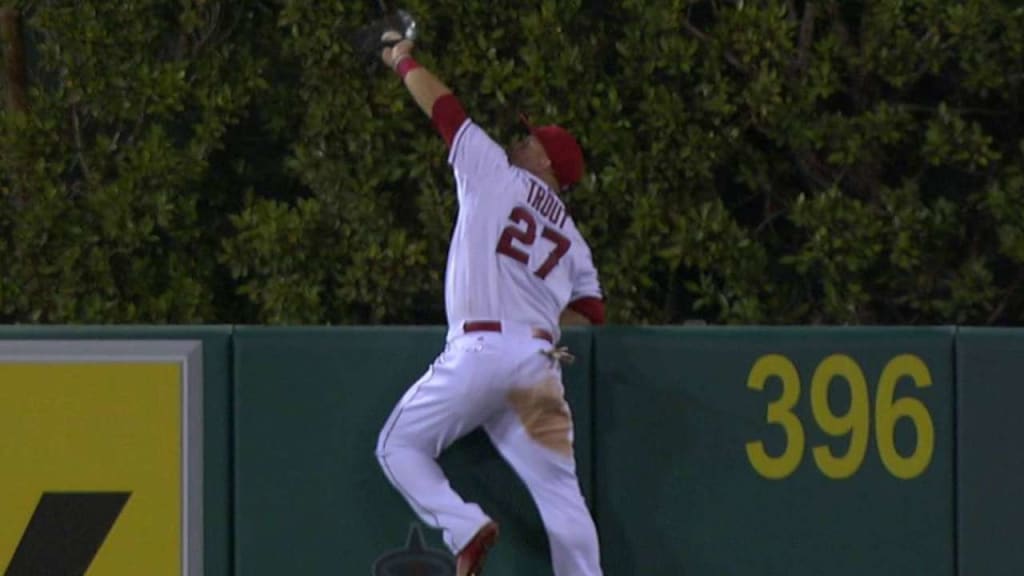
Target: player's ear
point(542, 157)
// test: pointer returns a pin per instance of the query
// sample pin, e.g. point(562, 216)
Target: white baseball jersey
point(515, 254)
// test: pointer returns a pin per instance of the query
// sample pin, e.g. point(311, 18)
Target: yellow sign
point(118, 426)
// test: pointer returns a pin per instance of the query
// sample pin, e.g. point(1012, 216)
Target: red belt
point(495, 326)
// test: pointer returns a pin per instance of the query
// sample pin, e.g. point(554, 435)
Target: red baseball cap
point(562, 149)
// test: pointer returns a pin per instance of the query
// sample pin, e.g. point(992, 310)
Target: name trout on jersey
point(547, 205)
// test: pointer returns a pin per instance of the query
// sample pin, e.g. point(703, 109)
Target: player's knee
point(391, 444)
point(385, 444)
point(386, 459)
point(573, 533)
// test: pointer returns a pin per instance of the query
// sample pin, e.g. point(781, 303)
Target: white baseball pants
point(506, 384)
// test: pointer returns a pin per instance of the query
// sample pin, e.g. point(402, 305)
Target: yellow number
point(779, 412)
point(855, 422)
point(888, 412)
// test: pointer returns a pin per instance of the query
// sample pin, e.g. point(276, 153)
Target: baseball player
point(517, 265)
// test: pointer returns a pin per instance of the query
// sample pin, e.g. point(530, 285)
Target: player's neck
point(548, 179)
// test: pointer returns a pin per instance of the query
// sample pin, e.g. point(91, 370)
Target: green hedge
point(793, 161)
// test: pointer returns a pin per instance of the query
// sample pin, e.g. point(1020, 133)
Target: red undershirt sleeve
point(448, 116)
point(589, 307)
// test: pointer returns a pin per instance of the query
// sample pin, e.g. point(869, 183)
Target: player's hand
point(391, 55)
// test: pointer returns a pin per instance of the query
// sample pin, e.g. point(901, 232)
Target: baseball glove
point(367, 41)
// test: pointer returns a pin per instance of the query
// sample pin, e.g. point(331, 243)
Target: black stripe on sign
point(65, 533)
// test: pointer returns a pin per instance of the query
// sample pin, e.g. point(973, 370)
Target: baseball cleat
point(470, 561)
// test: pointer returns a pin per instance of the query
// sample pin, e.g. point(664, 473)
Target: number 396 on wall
point(856, 422)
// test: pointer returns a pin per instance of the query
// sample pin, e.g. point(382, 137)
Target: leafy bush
point(774, 161)
point(105, 181)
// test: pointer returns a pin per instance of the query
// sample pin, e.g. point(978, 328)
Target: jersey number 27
point(515, 233)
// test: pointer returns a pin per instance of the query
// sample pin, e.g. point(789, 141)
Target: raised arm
point(430, 93)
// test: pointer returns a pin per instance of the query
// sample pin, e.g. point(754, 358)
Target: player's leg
point(442, 406)
point(534, 435)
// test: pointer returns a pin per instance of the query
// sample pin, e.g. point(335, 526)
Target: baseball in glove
point(367, 41)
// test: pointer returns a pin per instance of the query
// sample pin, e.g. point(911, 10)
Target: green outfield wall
point(990, 434)
point(702, 450)
point(311, 498)
point(782, 451)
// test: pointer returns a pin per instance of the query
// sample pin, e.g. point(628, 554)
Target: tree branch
point(703, 37)
point(859, 77)
point(1012, 291)
point(769, 219)
point(806, 35)
point(810, 168)
point(77, 129)
point(968, 111)
point(212, 23)
point(14, 64)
